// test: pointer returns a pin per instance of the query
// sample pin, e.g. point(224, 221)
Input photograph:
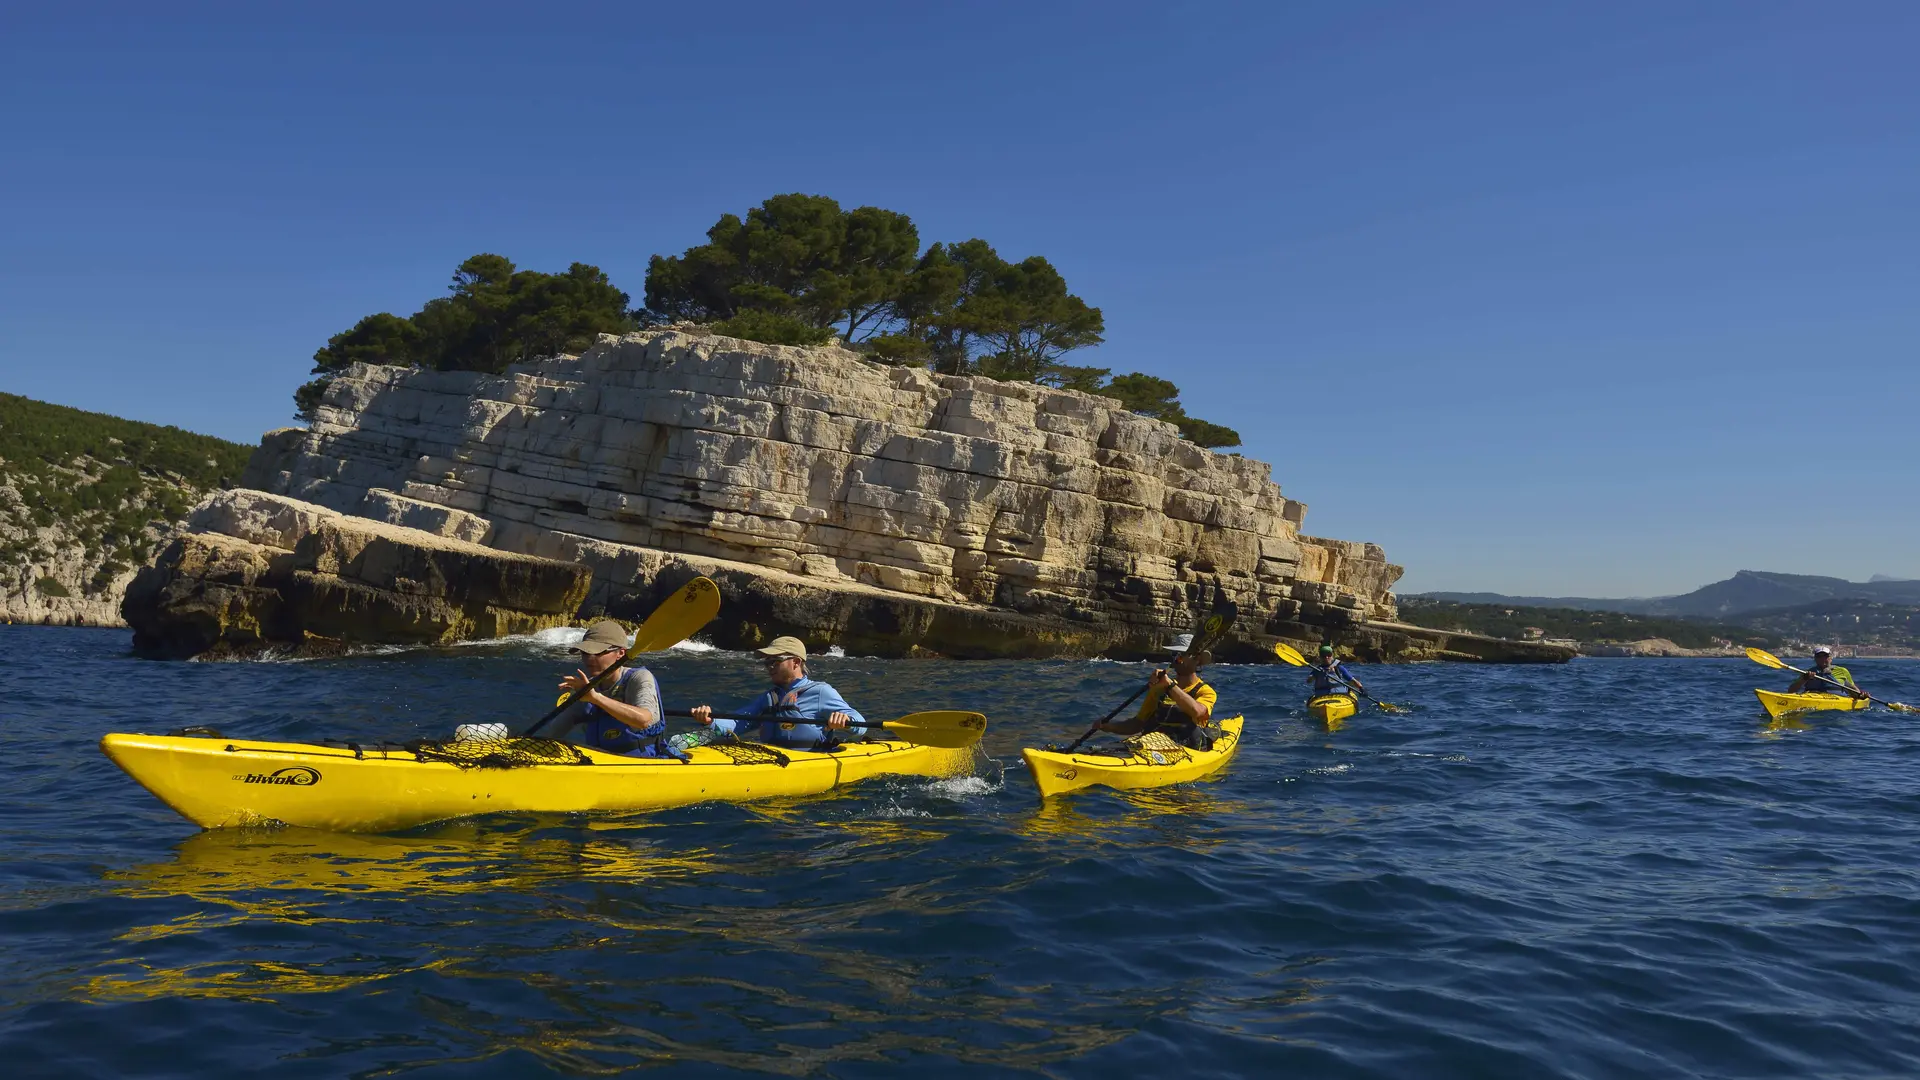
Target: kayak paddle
point(1210, 633)
point(677, 618)
point(945, 729)
point(1291, 655)
point(1767, 659)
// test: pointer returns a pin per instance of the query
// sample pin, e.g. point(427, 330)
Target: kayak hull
point(1779, 705)
point(1056, 773)
point(216, 782)
point(1330, 709)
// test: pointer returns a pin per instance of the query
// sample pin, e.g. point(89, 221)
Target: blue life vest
point(1324, 682)
point(604, 732)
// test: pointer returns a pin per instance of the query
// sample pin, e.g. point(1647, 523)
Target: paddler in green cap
point(800, 713)
point(1825, 678)
point(1328, 673)
point(621, 714)
point(1179, 705)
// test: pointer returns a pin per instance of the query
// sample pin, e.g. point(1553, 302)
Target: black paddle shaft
point(575, 696)
point(851, 722)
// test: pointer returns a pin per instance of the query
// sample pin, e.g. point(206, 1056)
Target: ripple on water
point(1538, 872)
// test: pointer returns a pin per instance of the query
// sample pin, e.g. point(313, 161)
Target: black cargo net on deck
point(750, 753)
point(510, 753)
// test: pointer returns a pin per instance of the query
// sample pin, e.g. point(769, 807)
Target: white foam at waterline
point(960, 787)
point(1330, 770)
point(692, 646)
point(835, 650)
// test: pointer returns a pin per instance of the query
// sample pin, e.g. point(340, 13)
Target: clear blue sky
point(1609, 299)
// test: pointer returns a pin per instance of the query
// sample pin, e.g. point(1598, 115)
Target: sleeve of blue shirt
point(830, 702)
point(752, 708)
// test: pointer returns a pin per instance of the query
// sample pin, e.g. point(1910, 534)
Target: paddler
point(1329, 672)
point(1825, 678)
point(1178, 705)
point(793, 707)
point(621, 714)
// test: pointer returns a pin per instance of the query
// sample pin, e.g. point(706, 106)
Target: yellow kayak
point(1055, 773)
point(1779, 705)
point(215, 782)
point(1330, 709)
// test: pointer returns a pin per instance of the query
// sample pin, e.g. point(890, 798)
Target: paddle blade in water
point(1289, 654)
point(947, 730)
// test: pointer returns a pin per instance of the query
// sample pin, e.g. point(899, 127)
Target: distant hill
point(1746, 591)
point(85, 497)
point(1589, 627)
point(1847, 621)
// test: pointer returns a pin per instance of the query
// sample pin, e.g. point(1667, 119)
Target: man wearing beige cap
point(794, 707)
point(621, 714)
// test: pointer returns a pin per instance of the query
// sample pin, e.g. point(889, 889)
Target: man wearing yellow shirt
point(1178, 704)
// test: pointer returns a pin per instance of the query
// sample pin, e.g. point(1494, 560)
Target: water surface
point(1612, 868)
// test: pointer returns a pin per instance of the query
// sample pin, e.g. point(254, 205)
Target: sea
point(1609, 868)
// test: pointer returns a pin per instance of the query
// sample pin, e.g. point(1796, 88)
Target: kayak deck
point(1330, 709)
point(1056, 773)
point(216, 782)
point(1779, 705)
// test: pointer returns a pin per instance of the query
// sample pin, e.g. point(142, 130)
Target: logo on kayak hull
point(291, 776)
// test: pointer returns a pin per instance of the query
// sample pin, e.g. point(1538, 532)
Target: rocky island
point(886, 508)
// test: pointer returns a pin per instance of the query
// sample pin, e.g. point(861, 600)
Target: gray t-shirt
point(636, 687)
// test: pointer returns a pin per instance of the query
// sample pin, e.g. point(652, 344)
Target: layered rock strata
point(885, 509)
point(255, 571)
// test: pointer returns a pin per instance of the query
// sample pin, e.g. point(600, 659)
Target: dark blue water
point(1536, 874)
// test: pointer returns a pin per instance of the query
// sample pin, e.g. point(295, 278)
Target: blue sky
point(1606, 299)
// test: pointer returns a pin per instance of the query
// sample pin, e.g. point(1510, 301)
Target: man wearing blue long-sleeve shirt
point(793, 708)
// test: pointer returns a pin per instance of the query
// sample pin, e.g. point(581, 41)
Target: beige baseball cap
point(601, 636)
point(785, 646)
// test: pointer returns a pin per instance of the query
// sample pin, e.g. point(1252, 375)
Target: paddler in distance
point(621, 714)
point(1178, 705)
point(1328, 673)
point(1825, 678)
point(793, 709)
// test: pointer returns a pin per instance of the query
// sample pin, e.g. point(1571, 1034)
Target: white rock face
point(820, 463)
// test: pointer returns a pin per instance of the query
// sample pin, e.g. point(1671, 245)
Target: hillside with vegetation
point(1849, 621)
point(1586, 627)
point(84, 499)
point(797, 270)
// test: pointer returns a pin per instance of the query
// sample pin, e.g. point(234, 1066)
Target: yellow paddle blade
point(1289, 654)
point(1901, 706)
point(679, 616)
point(1762, 656)
point(1388, 706)
point(949, 730)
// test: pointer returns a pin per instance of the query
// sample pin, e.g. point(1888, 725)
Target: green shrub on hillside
point(106, 479)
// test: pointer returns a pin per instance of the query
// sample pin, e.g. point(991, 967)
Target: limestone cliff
point(253, 572)
point(834, 472)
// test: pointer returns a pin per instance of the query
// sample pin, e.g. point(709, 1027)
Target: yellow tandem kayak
point(1779, 705)
point(1056, 773)
point(216, 782)
point(1331, 709)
